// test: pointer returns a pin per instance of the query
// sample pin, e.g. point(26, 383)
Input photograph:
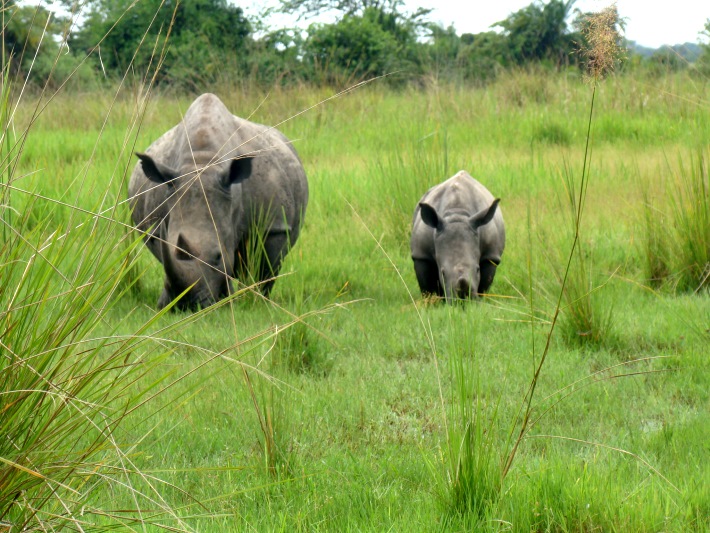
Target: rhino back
point(492, 235)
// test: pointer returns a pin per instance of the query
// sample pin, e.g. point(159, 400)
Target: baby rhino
point(458, 238)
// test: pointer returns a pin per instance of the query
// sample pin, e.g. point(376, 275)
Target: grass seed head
point(603, 48)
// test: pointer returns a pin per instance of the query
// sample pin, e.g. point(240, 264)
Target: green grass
point(349, 417)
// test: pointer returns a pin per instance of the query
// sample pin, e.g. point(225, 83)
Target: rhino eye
point(170, 184)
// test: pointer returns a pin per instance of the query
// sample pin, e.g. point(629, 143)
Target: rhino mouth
point(194, 300)
point(461, 290)
point(461, 298)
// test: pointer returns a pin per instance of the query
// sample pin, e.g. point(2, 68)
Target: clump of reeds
point(655, 242)
point(474, 468)
point(253, 268)
point(67, 377)
point(691, 215)
point(469, 478)
point(677, 237)
point(587, 318)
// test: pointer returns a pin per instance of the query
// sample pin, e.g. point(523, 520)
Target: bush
point(360, 47)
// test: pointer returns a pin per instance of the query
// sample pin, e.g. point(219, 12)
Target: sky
point(651, 23)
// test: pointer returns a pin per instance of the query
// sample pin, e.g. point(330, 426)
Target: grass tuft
point(65, 383)
point(676, 240)
point(402, 181)
point(690, 203)
point(655, 243)
point(587, 316)
point(474, 468)
point(551, 133)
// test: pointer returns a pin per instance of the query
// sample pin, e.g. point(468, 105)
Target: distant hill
point(689, 51)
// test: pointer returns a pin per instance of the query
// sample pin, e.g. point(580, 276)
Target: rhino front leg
point(164, 299)
point(488, 272)
point(275, 248)
point(428, 277)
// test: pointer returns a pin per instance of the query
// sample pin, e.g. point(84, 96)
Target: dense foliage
point(193, 44)
point(360, 46)
point(540, 32)
point(705, 58)
point(29, 38)
point(204, 36)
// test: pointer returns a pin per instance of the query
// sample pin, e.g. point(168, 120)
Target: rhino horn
point(184, 251)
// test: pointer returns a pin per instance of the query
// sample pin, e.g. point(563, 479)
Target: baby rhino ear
point(484, 216)
point(429, 215)
point(156, 172)
point(240, 169)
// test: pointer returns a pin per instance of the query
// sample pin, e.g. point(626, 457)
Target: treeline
point(189, 44)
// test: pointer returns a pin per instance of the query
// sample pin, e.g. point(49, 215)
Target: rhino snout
point(461, 283)
point(462, 288)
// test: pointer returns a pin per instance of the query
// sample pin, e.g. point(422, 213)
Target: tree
point(310, 8)
point(206, 37)
point(482, 55)
point(704, 60)
point(539, 32)
point(371, 37)
point(443, 47)
point(275, 58)
point(360, 46)
point(28, 32)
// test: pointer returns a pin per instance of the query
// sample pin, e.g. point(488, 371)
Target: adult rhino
point(198, 192)
point(458, 238)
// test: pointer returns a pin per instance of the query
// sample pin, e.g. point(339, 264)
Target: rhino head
point(198, 237)
point(457, 248)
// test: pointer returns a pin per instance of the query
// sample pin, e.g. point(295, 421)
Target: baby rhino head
point(457, 248)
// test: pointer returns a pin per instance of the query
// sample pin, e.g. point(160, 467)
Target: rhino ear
point(429, 215)
point(240, 170)
point(484, 216)
point(154, 171)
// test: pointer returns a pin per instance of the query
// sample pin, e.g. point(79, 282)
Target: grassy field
point(348, 403)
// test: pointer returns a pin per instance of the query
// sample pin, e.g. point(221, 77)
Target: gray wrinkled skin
point(197, 190)
point(458, 239)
